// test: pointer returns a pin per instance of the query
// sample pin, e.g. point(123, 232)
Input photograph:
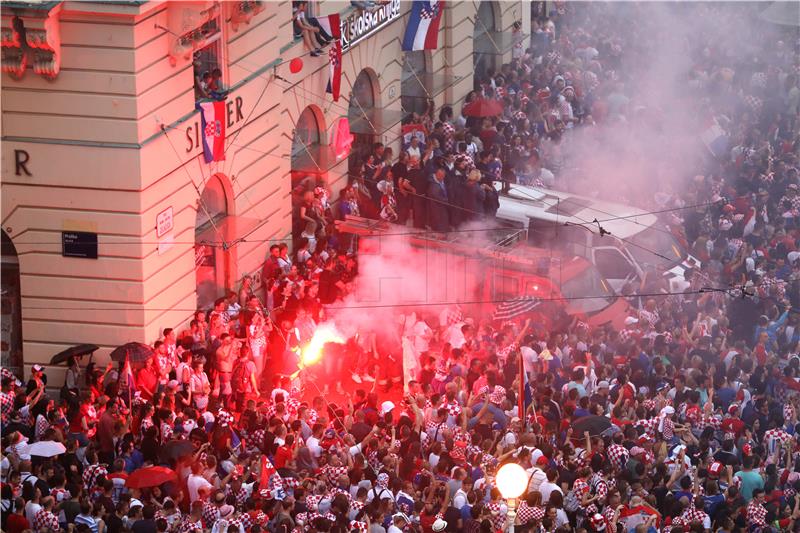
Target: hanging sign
point(362, 23)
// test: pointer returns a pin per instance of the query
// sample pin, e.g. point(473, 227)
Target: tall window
point(306, 133)
point(209, 64)
point(413, 93)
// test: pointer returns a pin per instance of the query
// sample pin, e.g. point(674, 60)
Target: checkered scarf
point(224, 418)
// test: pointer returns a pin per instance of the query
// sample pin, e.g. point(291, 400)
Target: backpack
point(571, 502)
point(240, 378)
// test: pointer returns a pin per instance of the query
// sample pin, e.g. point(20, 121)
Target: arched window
point(485, 50)
point(362, 103)
point(307, 132)
point(211, 231)
point(11, 315)
point(413, 90)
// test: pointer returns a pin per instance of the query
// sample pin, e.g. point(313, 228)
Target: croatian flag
point(330, 26)
point(334, 57)
point(422, 32)
point(212, 120)
point(335, 79)
point(715, 138)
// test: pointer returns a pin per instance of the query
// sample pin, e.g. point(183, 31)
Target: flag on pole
point(334, 55)
point(422, 32)
point(330, 26)
point(212, 121)
point(130, 383)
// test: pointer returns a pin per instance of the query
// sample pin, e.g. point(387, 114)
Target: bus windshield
point(591, 292)
point(651, 240)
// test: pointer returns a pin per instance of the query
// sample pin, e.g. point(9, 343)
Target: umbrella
point(152, 476)
point(45, 448)
point(75, 351)
point(482, 107)
point(517, 306)
point(176, 449)
point(135, 351)
point(595, 425)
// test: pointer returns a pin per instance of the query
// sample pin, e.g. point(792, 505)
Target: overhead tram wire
point(197, 189)
point(703, 290)
point(419, 232)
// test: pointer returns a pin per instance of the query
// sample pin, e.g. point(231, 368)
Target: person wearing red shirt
point(16, 521)
point(284, 454)
point(147, 380)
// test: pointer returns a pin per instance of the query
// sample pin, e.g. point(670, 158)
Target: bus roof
point(520, 203)
point(513, 254)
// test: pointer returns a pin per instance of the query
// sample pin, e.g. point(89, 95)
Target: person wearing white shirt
point(549, 486)
point(312, 443)
point(31, 508)
point(537, 477)
point(196, 483)
point(422, 335)
point(460, 499)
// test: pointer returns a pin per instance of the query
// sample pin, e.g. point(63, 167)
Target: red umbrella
point(482, 107)
point(152, 476)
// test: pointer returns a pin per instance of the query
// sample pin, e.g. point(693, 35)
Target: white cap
point(386, 407)
point(439, 525)
point(631, 320)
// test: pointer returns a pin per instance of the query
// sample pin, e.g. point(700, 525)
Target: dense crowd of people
point(685, 420)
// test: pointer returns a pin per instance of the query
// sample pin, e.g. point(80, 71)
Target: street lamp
point(512, 481)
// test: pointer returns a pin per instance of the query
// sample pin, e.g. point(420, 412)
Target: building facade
point(113, 224)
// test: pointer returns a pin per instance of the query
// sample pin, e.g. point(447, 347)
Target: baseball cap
point(37, 368)
point(386, 407)
point(602, 385)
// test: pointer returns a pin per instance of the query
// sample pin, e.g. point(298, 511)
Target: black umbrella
point(75, 351)
point(595, 425)
point(176, 449)
point(518, 306)
point(135, 351)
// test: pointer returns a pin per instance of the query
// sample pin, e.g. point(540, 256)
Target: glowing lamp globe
point(512, 480)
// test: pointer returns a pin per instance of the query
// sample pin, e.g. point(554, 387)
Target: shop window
point(209, 63)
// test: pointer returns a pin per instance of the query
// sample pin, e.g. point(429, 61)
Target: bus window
point(612, 264)
point(505, 287)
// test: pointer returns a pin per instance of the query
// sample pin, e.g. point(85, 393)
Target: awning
point(373, 121)
point(425, 85)
point(497, 42)
point(227, 230)
point(315, 158)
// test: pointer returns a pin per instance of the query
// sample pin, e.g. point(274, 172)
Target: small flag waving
point(212, 120)
point(127, 375)
point(422, 32)
point(335, 57)
point(271, 483)
point(715, 138)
